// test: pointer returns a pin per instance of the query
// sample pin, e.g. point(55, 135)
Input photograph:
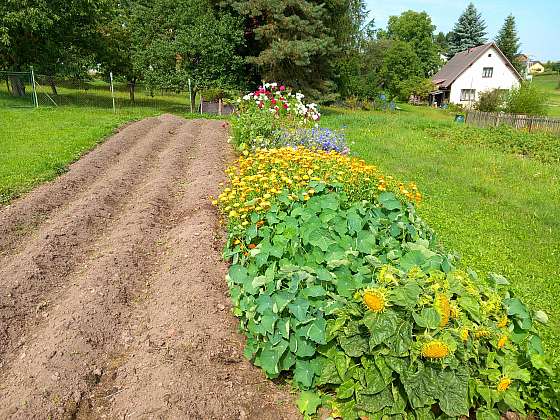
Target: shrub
point(526, 99)
point(490, 101)
point(416, 86)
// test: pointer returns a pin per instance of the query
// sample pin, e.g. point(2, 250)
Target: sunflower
point(435, 349)
point(443, 308)
point(502, 341)
point(375, 299)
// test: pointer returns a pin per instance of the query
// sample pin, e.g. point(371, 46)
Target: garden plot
point(113, 296)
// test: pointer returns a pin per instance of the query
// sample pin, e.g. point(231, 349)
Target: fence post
point(112, 92)
point(35, 101)
point(190, 95)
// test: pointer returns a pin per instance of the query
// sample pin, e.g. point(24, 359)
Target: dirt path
point(113, 302)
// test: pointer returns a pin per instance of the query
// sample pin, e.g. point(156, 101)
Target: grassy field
point(37, 145)
point(549, 84)
point(500, 211)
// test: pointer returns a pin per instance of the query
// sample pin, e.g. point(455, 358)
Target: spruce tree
point(508, 40)
point(468, 32)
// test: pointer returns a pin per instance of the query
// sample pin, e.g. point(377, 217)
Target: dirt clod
point(112, 302)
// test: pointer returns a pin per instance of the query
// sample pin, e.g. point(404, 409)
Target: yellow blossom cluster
point(435, 349)
point(256, 179)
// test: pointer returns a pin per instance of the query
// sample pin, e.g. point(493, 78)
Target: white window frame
point(487, 72)
point(468, 95)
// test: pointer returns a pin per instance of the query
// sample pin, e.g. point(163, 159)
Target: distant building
point(535, 67)
point(470, 72)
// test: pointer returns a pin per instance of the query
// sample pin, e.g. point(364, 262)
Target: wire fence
point(26, 89)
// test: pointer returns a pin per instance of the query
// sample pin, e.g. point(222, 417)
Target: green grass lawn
point(38, 144)
point(549, 83)
point(500, 211)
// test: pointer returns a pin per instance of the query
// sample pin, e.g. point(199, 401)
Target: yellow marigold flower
point(503, 322)
point(503, 384)
point(482, 333)
point(502, 341)
point(464, 334)
point(454, 311)
point(435, 349)
point(375, 299)
point(443, 308)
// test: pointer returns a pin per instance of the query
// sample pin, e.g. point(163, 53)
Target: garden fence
point(523, 122)
point(27, 89)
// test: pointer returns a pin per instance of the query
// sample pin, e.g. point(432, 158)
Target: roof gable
point(462, 61)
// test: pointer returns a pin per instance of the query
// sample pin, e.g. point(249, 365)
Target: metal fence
point(524, 122)
point(27, 89)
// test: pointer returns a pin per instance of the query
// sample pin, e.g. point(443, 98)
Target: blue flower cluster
point(313, 138)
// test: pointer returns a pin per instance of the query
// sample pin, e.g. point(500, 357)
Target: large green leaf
point(303, 373)
point(427, 318)
point(389, 201)
point(453, 392)
point(270, 356)
point(381, 326)
point(374, 403)
point(406, 295)
point(353, 346)
point(308, 402)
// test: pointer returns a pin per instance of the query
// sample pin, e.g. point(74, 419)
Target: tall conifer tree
point(508, 40)
point(468, 32)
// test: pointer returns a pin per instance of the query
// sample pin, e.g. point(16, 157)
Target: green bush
point(526, 99)
point(490, 101)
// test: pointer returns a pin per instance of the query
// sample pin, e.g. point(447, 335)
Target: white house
point(470, 72)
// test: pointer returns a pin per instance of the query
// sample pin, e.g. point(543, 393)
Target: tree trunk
point(193, 99)
point(52, 83)
point(18, 87)
point(131, 88)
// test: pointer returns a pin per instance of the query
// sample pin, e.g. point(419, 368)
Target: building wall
point(503, 77)
point(536, 68)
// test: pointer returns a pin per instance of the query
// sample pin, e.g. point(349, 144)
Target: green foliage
point(47, 33)
point(178, 40)
point(526, 99)
point(417, 29)
point(508, 42)
point(416, 86)
point(298, 292)
point(490, 101)
point(297, 42)
point(400, 64)
point(468, 32)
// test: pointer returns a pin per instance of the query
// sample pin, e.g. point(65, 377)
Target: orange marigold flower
point(504, 384)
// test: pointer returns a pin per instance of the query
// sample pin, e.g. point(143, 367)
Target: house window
point(487, 72)
point(468, 95)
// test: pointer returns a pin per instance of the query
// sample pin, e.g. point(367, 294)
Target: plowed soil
point(113, 302)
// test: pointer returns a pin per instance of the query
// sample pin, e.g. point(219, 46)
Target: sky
point(538, 21)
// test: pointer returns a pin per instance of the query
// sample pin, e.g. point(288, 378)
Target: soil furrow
point(71, 345)
point(19, 218)
point(127, 314)
point(65, 240)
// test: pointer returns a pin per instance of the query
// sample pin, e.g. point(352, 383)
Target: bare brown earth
point(113, 302)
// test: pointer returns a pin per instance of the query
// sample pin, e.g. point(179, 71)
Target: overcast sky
point(538, 21)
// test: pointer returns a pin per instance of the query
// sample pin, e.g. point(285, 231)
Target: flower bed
point(340, 286)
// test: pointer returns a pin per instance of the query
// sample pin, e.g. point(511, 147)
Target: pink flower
point(273, 101)
point(285, 106)
point(261, 104)
point(282, 88)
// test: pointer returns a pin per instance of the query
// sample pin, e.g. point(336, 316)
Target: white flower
point(273, 84)
point(315, 117)
point(300, 96)
point(246, 97)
